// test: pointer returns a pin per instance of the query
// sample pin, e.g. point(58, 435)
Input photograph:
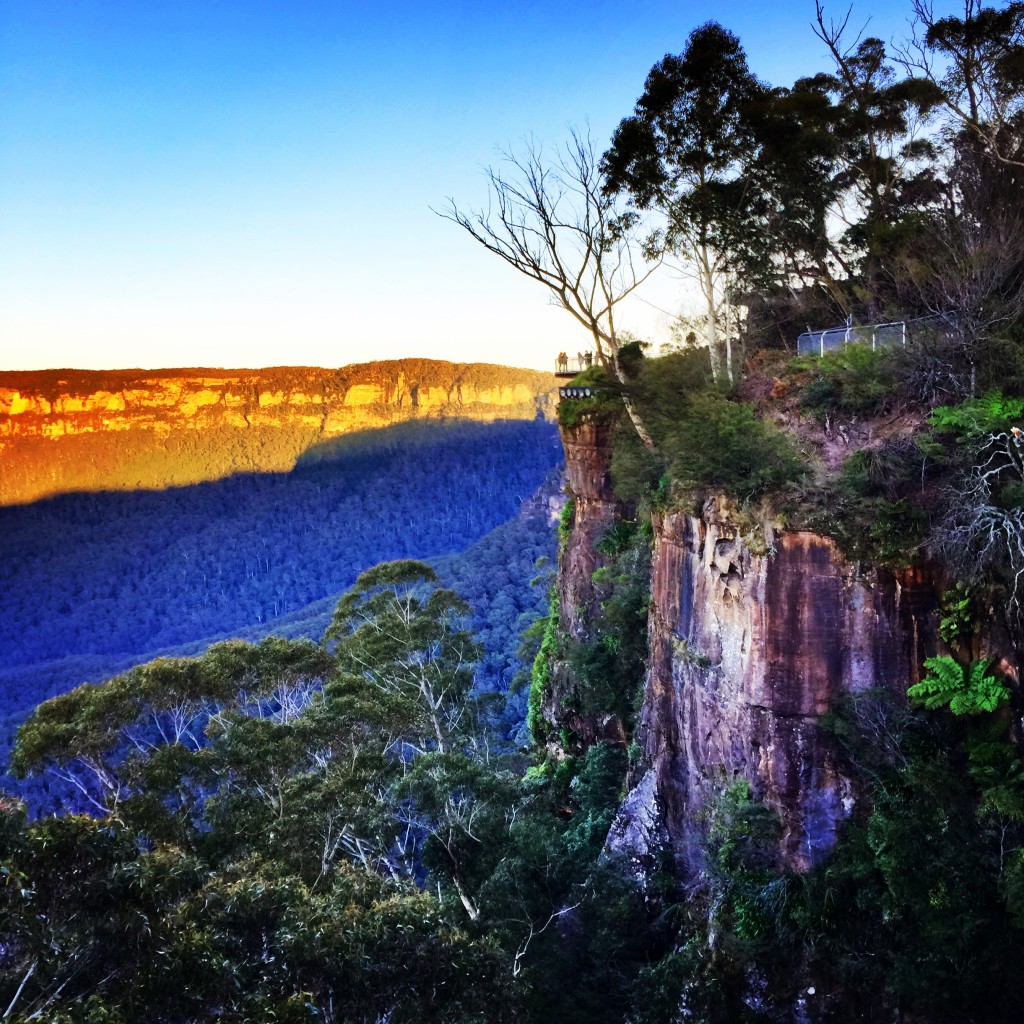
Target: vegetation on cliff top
point(56, 384)
point(905, 455)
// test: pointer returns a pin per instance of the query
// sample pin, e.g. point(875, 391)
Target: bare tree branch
point(553, 222)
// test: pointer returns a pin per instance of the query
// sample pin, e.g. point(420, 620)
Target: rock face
point(747, 652)
point(64, 430)
point(595, 509)
point(747, 649)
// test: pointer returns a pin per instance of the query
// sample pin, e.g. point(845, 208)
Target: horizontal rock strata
point(64, 430)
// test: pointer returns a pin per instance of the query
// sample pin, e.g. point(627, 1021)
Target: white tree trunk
point(706, 281)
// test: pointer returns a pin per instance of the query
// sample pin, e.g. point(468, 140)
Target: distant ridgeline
point(83, 430)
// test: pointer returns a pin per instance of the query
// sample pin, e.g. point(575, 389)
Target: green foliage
point(965, 691)
point(704, 439)
point(609, 669)
point(996, 767)
point(603, 406)
point(897, 531)
point(635, 469)
point(957, 623)
point(401, 637)
point(661, 391)
point(886, 470)
point(92, 719)
point(722, 444)
point(596, 792)
point(267, 808)
point(868, 529)
point(990, 414)
point(855, 380)
point(917, 907)
point(743, 845)
point(540, 674)
point(922, 880)
point(566, 520)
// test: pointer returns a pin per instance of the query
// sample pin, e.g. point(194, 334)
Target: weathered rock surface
point(747, 649)
point(66, 430)
point(596, 509)
point(747, 652)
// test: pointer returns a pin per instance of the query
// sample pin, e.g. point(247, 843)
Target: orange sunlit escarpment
point(85, 430)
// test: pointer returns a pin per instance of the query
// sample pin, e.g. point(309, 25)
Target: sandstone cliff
point(595, 509)
point(749, 642)
point(63, 430)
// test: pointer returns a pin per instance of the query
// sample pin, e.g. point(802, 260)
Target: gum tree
point(555, 220)
point(681, 153)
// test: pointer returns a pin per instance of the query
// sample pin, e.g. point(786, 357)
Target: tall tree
point(976, 63)
point(557, 222)
point(682, 151)
point(885, 171)
point(262, 816)
point(793, 190)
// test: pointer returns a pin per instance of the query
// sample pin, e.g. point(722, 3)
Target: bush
point(884, 470)
point(873, 530)
point(720, 443)
point(855, 380)
point(610, 669)
point(635, 469)
point(540, 675)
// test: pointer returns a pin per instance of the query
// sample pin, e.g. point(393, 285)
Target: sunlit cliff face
point(77, 430)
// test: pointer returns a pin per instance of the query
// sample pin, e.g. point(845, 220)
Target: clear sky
point(249, 182)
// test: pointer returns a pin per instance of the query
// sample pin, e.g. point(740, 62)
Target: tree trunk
point(631, 410)
point(706, 280)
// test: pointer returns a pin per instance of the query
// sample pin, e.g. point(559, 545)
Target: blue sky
point(227, 183)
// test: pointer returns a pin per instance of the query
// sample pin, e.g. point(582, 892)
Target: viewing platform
point(567, 366)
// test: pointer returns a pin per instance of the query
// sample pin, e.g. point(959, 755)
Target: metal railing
point(574, 364)
point(832, 339)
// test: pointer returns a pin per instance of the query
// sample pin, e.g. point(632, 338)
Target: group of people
point(583, 360)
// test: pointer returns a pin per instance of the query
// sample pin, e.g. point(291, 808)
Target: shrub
point(566, 520)
point(884, 470)
point(856, 380)
point(540, 675)
point(603, 406)
point(721, 443)
point(635, 469)
point(609, 668)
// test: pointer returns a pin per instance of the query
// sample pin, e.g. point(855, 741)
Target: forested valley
point(99, 582)
point(354, 822)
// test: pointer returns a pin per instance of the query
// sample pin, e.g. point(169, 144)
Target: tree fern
point(965, 691)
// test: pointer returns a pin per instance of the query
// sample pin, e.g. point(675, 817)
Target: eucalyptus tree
point(682, 153)
point(967, 263)
point(400, 641)
point(261, 823)
point(976, 64)
point(886, 175)
point(554, 220)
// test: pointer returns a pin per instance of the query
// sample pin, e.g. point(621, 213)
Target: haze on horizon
point(250, 183)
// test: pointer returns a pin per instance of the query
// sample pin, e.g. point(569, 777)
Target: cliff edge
point(67, 430)
point(749, 642)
